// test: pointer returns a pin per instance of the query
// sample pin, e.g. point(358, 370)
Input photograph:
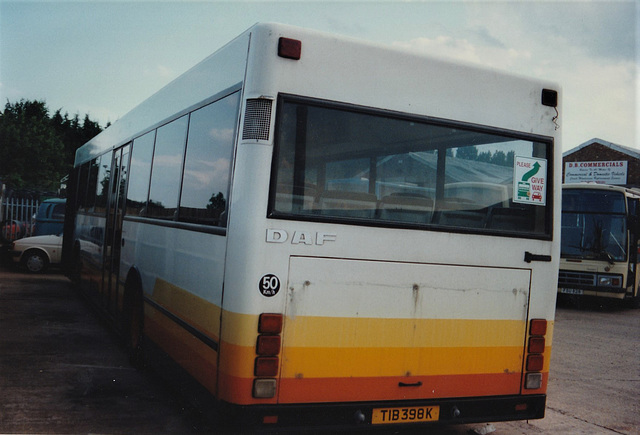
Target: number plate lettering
point(405, 415)
point(571, 291)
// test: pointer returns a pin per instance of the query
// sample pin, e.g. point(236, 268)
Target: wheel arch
point(36, 249)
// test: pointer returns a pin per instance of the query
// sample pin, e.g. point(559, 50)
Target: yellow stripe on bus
point(201, 314)
point(370, 362)
point(309, 331)
point(390, 333)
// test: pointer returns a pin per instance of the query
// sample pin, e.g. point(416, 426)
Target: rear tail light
point(535, 363)
point(267, 363)
point(536, 344)
point(267, 366)
point(270, 323)
point(535, 354)
point(538, 327)
point(268, 345)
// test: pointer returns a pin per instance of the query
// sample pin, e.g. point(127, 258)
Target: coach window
point(207, 167)
point(139, 174)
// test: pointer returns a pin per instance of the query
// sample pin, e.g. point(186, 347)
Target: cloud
point(466, 51)
point(577, 45)
point(160, 72)
point(599, 96)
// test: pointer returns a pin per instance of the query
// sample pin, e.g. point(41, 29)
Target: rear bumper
point(357, 416)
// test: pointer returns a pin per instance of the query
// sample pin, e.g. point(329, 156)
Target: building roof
point(622, 149)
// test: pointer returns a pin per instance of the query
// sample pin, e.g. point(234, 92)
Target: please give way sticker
point(530, 180)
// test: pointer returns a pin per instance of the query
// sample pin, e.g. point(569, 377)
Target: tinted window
point(58, 211)
point(593, 201)
point(167, 169)
point(335, 163)
point(594, 224)
point(207, 168)
point(138, 189)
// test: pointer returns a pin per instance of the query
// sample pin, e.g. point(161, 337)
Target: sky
point(103, 58)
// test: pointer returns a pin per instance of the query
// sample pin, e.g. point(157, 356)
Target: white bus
point(323, 232)
point(599, 249)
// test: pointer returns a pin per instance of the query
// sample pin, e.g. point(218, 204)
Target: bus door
point(113, 236)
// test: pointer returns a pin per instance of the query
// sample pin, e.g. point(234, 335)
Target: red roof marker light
point(289, 48)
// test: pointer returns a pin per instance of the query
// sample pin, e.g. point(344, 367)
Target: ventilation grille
point(567, 278)
point(257, 118)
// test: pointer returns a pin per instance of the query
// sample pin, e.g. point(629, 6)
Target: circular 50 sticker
point(269, 285)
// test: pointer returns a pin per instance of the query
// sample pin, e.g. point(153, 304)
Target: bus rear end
point(403, 268)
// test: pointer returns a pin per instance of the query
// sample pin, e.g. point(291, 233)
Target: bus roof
point(340, 69)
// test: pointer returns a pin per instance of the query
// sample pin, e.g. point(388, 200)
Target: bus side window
point(207, 168)
point(166, 170)
point(140, 172)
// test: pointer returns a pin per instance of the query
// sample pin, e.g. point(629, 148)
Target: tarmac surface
point(63, 371)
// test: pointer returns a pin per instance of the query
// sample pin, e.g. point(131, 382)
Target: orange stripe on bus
point(194, 310)
point(197, 358)
point(292, 390)
point(318, 390)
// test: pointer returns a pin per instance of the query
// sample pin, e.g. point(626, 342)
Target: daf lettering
point(300, 237)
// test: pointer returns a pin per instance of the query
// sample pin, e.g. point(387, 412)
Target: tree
point(31, 155)
point(36, 150)
point(468, 153)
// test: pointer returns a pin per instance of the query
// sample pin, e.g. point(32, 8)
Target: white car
point(37, 253)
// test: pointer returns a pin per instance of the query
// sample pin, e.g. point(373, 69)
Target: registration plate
point(571, 291)
point(405, 415)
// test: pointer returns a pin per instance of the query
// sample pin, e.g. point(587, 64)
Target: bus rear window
point(335, 163)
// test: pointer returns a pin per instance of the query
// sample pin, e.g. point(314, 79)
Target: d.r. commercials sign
point(610, 172)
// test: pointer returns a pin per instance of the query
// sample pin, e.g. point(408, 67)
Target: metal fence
point(17, 218)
